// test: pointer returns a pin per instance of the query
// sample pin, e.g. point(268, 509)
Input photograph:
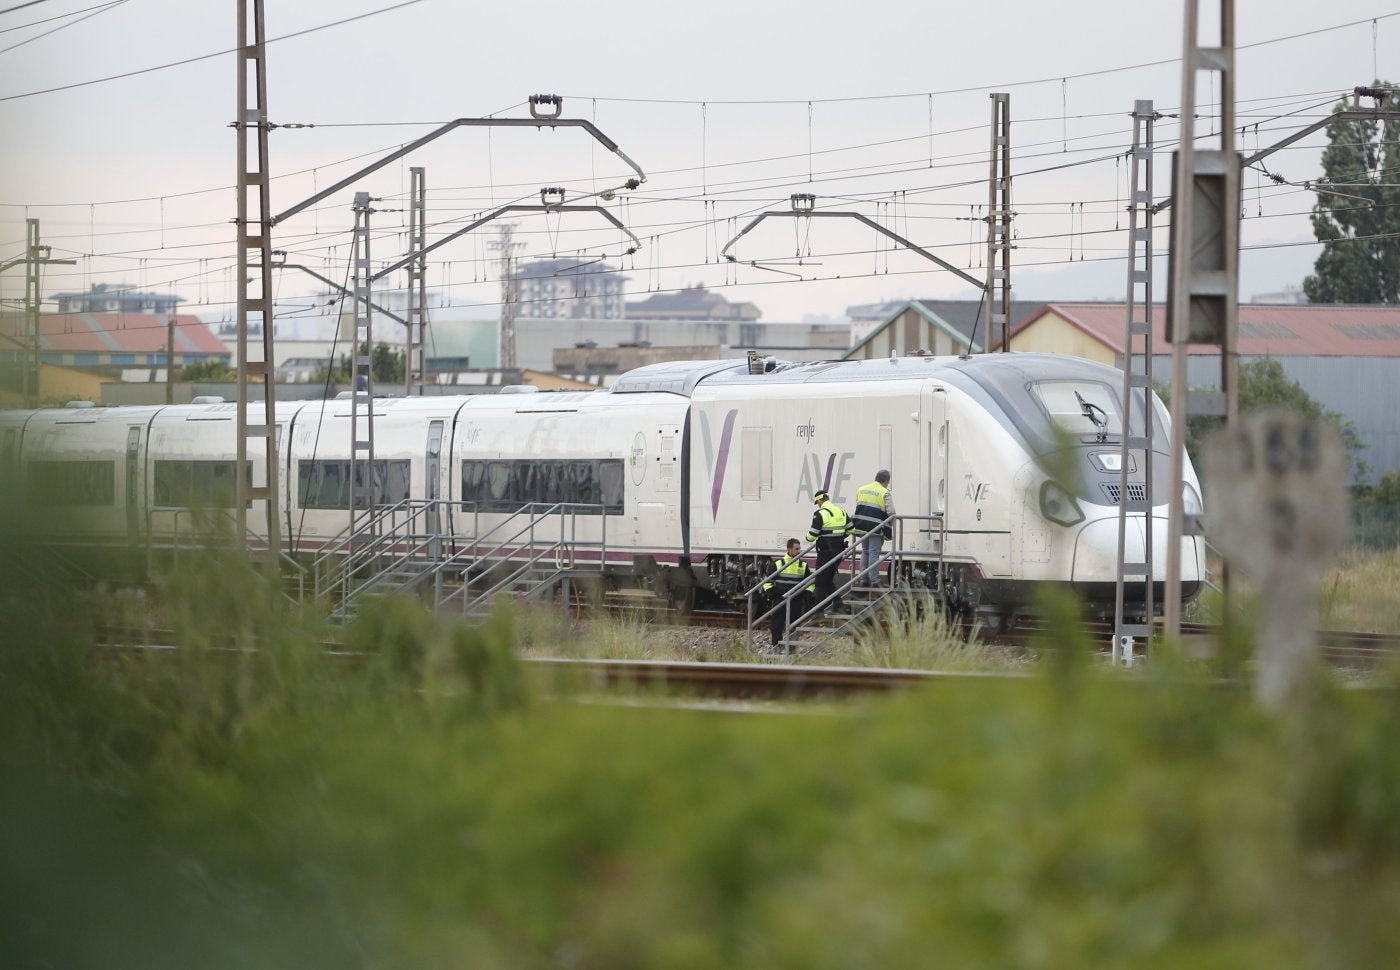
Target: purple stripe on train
point(721, 460)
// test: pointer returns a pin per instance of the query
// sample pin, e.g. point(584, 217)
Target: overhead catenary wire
point(206, 57)
point(971, 89)
point(49, 20)
point(908, 195)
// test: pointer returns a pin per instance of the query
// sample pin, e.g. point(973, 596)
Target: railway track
point(770, 679)
point(1337, 647)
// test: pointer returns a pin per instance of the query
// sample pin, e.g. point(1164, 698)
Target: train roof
point(987, 370)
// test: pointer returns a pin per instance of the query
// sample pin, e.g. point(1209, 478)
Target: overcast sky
point(729, 108)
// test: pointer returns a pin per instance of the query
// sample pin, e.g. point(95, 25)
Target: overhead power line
point(62, 16)
point(71, 23)
point(206, 57)
point(1057, 79)
point(31, 3)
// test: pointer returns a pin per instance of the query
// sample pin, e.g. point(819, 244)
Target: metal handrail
point(341, 549)
point(348, 558)
point(374, 541)
point(259, 542)
point(785, 601)
point(894, 555)
point(486, 595)
point(512, 543)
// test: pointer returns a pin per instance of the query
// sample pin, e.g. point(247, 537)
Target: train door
point(432, 482)
point(934, 490)
point(133, 479)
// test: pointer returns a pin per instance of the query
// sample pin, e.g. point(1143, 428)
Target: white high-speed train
point(1005, 469)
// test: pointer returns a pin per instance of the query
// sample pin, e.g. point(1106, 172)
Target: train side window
point(610, 484)
point(326, 484)
point(585, 488)
point(72, 483)
point(524, 476)
point(556, 479)
point(497, 482)
point(400, 481)
point(509, 486)
point(190, 484)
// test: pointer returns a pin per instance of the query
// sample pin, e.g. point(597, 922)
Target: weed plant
point(1361, 591)
point(412, 801)
point(918, 636)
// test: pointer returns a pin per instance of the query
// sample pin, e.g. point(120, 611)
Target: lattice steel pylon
point(999, 216)
point(415, 360)
point(255, 280)
point(507, 246)
point(31, 314)
point(1203, 300)
point(362, 477)
point(1135, 449)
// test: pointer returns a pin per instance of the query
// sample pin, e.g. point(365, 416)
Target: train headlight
point(1190, 500)
point(1058, 505)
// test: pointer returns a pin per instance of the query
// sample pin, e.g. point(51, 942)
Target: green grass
point(1361, 591)
point(919, 636)
point(423, 803)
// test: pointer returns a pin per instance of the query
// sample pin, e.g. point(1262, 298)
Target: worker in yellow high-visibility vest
point(874, 506)
point(792, 573)
point(830, 527)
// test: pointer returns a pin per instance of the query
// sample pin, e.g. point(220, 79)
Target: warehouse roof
point(1323, 330)
point(115, 333)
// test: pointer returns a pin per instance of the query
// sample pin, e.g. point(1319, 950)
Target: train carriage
point(79, 473)
point(684, 477)
point(322, 469)
point(612, 460)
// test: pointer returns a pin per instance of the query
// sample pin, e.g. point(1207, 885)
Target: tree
point(1377, 513)
point(1357, 212)
point(386, 366)
point(1263, 383)
point(208, 370)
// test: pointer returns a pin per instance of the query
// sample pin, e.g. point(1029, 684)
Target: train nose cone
point(1096, 550)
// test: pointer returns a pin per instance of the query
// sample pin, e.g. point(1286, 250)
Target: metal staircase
point(392, 550)
point(400, 551)
point(812, 630)
point(531, 552)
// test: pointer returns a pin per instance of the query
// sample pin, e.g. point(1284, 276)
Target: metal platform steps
point(397, 551)
point(848, 608)
point(859, 604)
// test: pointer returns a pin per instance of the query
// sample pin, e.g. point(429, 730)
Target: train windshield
point(1080, 407)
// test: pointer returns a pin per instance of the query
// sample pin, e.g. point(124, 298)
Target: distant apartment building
point(692, 303)
point(1288, 296)
point(567, 289)
point(105, 298)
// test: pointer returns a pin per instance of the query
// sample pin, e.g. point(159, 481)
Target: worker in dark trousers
point(874, 505)
point(829, 529)
point(792, 573)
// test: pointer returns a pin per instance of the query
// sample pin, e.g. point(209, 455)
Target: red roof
point(120, 333)
point(1326, 330)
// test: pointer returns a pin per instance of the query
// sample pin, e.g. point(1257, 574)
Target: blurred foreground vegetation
point(430, 803)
